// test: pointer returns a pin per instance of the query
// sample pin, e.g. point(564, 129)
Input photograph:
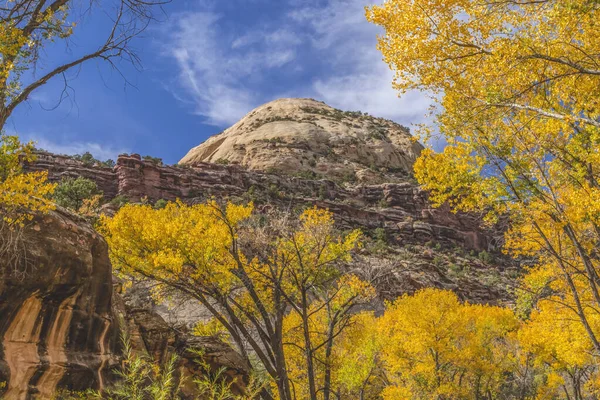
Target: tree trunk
point(310, 370)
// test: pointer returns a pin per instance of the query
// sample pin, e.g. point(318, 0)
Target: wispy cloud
point(326, 50)
point(216, 68)
point(99, 151)
point(359, 79)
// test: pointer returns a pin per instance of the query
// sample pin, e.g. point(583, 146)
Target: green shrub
point(437, 260)
point(119, 201)
point(153, 160)
point(161, 203)
point(486, 257)
point(380, 235)
point(323, 193)
point(71, 193)
point(307, 174)
point(86, 158)
point(455, 269)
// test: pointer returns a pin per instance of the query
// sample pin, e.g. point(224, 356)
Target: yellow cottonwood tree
point(517, 85)
point(250, 277)
point(560, 347)
point(21, 194)
point(435, 347)
point(331, 341)
point(359, 374)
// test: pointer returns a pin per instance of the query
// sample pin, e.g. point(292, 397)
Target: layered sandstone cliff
point(441, 243)
point(402, 208)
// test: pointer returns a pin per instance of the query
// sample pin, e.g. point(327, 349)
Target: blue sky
point(205, 65)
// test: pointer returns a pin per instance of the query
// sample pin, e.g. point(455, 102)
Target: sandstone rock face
point(56, 323)
point(150, 334)
point(60, 319)
point(60, 167)
point(300, 136)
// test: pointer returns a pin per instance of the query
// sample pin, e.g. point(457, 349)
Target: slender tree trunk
point(283, 384)
point(3, 117)
point(310, 370)
point(328, 351)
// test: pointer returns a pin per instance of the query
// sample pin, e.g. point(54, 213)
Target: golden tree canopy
point(21, 194)
point(517, 84)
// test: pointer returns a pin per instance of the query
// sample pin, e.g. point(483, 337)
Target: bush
point(486, 257)
point(119, 201)
point(380, 235)
point(153, 160)
point(71, 193)
point(86, 158)
point(274, 192)
point(161, 203)
point(108, 163)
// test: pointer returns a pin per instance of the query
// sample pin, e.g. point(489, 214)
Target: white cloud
point(99, 151)
point(214, 68)
point(225, 73)
point(364, 81)
point(369, 92)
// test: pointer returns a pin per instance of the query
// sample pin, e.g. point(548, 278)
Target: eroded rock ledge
point(401, 208)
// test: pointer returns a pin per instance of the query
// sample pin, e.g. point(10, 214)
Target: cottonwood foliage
point(279, 292)
point(518, 85)
point(277, 289)
point(21, 195)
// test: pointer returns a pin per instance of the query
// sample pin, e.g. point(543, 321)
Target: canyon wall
point(62, 313)
point(400, 208)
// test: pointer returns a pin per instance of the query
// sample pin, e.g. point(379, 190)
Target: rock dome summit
point(309, 138)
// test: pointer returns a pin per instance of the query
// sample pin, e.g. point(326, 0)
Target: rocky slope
point(400, 208)
point(307, 137)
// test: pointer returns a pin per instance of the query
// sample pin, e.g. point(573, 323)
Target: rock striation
point(61, 320)
point(402, 208)
point(56, 322)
